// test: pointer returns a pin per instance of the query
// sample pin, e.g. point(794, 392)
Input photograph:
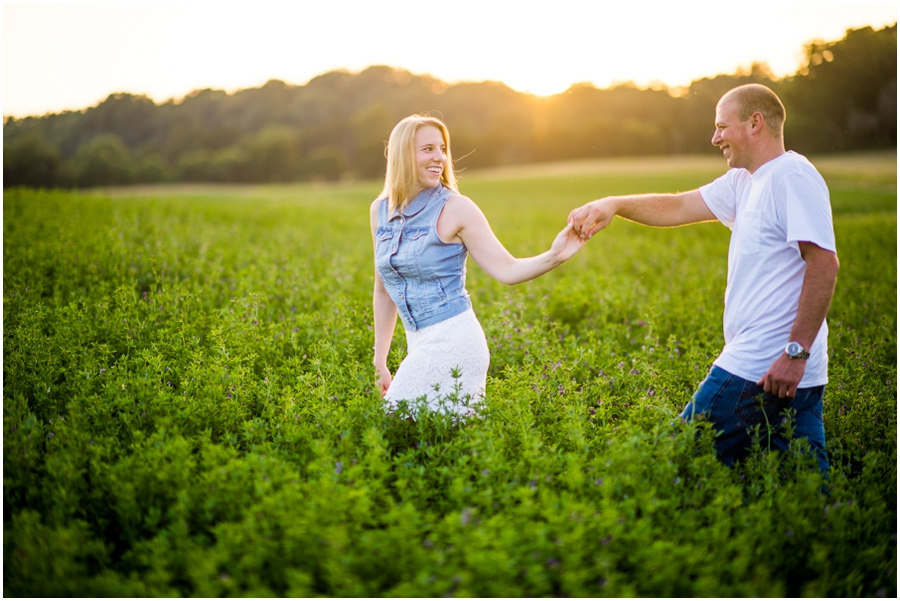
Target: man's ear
point(757, 122)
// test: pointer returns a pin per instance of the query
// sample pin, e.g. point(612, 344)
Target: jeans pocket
point(755, 406)
point(809, 400)
point(817, 411)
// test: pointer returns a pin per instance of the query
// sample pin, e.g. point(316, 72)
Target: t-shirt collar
point(762, 169)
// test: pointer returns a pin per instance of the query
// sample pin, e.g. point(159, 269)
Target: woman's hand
point(567, 243)
point(382, 378)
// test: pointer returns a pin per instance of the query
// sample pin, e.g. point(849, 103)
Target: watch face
point(795, 351)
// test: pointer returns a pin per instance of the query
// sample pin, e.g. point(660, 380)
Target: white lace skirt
point(446, 365)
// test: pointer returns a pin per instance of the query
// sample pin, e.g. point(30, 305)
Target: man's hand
point(589, 219)
point(783, 377)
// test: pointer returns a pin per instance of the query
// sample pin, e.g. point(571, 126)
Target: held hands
point(592, 217)
point(566, 243)
point(783, 377)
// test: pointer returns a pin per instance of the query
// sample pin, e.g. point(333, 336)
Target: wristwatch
point(794, 351)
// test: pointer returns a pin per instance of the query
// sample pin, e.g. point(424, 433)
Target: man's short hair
point(754, 97)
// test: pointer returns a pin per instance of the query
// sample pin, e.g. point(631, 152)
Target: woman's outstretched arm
point(462, 221)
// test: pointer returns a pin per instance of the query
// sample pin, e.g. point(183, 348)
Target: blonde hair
point(400, 176)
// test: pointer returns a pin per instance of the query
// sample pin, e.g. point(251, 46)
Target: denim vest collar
point(418, 203)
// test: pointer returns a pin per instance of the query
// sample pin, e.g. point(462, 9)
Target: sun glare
point(538, 86)
point(57, 56)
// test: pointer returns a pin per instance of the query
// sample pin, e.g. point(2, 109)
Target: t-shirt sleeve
point(808, 210)
point(721, 197)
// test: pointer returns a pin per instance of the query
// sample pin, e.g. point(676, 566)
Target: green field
point(188, 406)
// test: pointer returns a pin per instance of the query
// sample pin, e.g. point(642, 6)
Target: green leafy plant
point(189, 408)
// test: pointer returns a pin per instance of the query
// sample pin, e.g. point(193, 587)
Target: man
point(782, 268)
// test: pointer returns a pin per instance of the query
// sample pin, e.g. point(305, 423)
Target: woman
point(422, 230)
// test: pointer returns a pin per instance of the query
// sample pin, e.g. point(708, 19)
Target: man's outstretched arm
point(660, 210)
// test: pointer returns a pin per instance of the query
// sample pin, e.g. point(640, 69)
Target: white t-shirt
point(786, 201)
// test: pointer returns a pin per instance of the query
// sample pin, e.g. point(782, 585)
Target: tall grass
point(189, 406)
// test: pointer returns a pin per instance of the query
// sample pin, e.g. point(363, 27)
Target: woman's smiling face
point(431, 156)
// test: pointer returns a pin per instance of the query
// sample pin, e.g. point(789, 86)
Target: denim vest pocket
point(440, 289)
point(383, 238)
point(416, 236)
point(430, 295)
point(384, 248)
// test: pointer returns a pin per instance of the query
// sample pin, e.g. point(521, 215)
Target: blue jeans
point(735, 406)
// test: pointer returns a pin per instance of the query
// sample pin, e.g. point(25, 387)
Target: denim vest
point(424, 276)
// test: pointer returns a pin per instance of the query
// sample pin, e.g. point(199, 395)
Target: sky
point(70, 55)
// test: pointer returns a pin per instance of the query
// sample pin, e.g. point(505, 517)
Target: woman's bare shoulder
point(459, 202)
point(374, 207)
point(373, 213)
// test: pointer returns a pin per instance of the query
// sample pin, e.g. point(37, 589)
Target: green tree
point(30, 161)
point(272, 155)
point(325, 163)
point(194, 166)
point(151, 168)
point(227, 165)
point(845, 96)
point(371, 126)
point(103, 161)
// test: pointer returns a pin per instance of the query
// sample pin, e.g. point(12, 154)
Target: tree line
point(843, 98)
